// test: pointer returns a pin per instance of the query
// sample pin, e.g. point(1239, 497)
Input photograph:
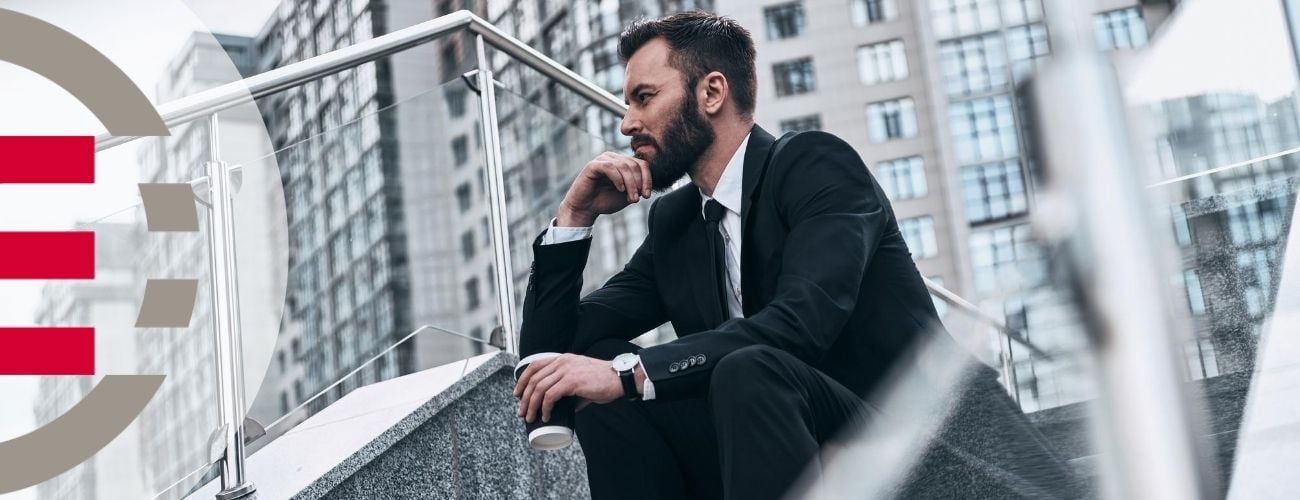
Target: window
point(865, 12)
point(993, 191)
point(471, 294)
point(1005, 259)
point(468, 245)
point(1120, 29)
point(456, 101)
point(1016, 12)
point(890, 120)
point(784, 20)
point(800, 124)
point(1182, 230)
point(1258, 222)
point(1027, 46)
point(983, 130)
point(450, 61)
point(1255, 269)
point(963, 17)
point(918, 232)
point(973, 64)
point(903, 178)
point(463, 197)
point(794, 77)
point(882, 62)
point(1195, 297)
point(460, 149)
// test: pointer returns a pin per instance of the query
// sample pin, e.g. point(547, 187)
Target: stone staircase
point(440, 433)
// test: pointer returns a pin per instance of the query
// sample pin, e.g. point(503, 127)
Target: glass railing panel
point(383, 240)
point(1219, 147)
point(945, 424)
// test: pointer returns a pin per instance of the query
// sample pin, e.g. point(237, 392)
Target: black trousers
point(765, 420)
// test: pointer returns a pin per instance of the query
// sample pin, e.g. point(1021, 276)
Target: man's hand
point(546, 381)
point(608, 183)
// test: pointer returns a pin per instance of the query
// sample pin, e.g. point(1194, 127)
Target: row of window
point(877, 63)
point(787, 20)
point(886, 121)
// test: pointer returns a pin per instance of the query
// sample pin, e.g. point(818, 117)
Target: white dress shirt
point(728, 192)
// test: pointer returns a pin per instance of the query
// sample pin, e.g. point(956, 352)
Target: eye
point(644, 96)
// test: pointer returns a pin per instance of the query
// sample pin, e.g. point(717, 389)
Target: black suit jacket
point(826, 276)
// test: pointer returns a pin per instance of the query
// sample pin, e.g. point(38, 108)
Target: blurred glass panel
point(387, 236)
point(944, 424)
point(1215, 106)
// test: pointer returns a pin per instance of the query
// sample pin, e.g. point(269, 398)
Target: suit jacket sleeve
point(556, 320)
point(836, 218)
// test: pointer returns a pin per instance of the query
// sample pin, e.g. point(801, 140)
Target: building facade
point(927, 92)
point(109, 303)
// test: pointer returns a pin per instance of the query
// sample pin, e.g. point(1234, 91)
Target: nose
point(631, 124)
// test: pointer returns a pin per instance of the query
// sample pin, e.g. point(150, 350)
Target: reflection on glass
point(385, 236)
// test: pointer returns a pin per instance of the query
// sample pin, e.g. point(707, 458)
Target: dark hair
point(701, 42)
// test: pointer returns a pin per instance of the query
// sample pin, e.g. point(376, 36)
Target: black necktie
point(713, 212)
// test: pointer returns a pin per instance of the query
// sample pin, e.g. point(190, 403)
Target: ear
point(713, 92)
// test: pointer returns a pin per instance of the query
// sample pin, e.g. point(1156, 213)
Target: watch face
point(624, 362)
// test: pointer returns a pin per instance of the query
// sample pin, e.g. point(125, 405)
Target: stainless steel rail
point(233, 94)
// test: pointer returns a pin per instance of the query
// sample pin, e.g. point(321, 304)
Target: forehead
point(649, 65)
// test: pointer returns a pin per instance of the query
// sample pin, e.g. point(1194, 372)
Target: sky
point(141, 37)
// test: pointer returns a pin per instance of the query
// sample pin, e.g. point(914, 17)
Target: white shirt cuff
point(556, 235)
point(647, 388)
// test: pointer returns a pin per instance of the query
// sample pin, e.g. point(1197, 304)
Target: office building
point(926, 92)
point(108, 303)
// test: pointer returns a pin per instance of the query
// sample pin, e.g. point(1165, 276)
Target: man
point(785, 276)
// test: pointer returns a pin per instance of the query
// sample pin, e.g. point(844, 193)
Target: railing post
point(1115, 262)
point(496, 186)
point(225, 320)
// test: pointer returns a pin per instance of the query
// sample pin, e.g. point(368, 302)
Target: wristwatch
point(625, 365)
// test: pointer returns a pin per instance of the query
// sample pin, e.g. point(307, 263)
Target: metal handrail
point(277, 80)
point(244, 91)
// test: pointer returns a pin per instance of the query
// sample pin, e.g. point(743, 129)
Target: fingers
point(538, 382)
point(646, 180)
point(536, 403)
point(532, 368)
point(524, 387)
point(557, 391)
point(629, 175)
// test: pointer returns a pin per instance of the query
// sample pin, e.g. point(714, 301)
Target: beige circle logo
point(124, 110)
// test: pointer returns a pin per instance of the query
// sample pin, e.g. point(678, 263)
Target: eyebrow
point(638, 88)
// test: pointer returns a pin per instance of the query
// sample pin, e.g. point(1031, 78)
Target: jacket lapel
point(760, 142)
point(755, 164)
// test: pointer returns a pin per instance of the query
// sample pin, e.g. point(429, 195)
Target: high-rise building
point(926, 91)
point(360, 177)
point(109, 303)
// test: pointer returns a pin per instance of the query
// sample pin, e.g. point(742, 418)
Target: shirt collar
point(728, 190)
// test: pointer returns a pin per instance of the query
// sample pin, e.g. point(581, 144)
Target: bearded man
point(780, 266)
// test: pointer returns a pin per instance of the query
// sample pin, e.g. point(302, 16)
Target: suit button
point(690, 362)
point(702, 359)
point(673, 368)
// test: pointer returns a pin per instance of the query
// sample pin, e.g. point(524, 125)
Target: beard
point(686, 138)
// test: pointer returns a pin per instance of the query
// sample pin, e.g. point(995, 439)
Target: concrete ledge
point(441, 433)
